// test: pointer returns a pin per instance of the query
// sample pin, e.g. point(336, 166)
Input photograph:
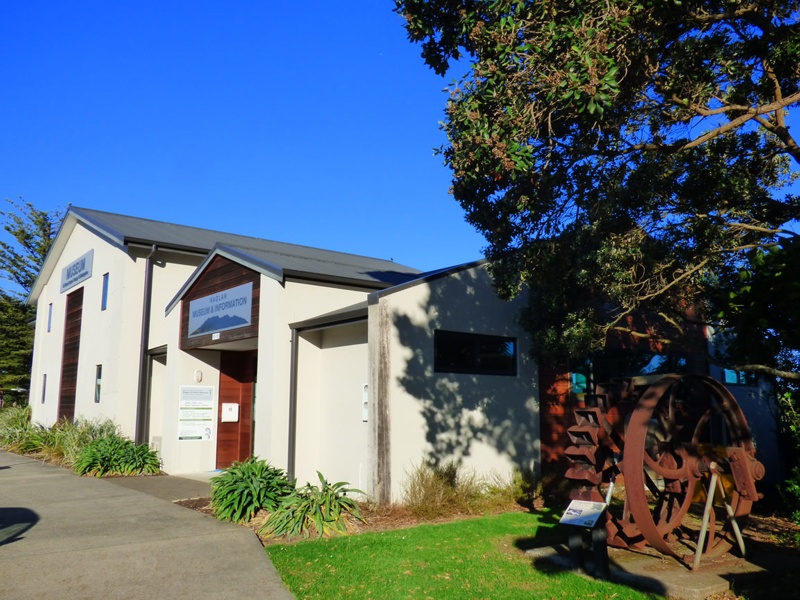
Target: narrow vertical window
point(49, 317)
point(104, 301)
point(44, 384)
point(98, 383)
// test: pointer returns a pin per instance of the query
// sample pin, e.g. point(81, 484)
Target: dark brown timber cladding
point(69, 357)
point(221, 274)
point(236, 381)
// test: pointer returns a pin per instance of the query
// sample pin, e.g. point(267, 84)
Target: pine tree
point(16, 344)
point(31, 234)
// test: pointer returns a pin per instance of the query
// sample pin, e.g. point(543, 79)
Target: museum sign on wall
point(228, 309)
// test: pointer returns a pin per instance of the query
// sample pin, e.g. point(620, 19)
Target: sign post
point(585, 518)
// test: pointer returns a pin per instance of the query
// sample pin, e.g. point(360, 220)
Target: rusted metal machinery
point(673, 459)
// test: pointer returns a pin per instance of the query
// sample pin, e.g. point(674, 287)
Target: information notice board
point(196, 412)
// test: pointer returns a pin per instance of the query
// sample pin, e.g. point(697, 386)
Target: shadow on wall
point(461, 409)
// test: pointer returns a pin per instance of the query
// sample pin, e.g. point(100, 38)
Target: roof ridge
point(90, 211)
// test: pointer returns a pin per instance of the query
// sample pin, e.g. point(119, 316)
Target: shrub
point(524, 487)
point(247, 487)
point(62, 443)
point(433, 491)
point(115, 455)
point(58, 444)
point(325, 509)
point(791, 493)
point(15, 423)
point(73, 437)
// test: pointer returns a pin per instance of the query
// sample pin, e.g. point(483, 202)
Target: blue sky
point(312, 123)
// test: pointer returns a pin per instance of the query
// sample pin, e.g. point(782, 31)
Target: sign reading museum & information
point(228, 309)
point(77, 271)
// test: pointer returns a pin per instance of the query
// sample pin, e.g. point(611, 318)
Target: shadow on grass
point(771, 570)
point(549, 553)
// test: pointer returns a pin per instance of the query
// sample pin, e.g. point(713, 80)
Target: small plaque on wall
point(230, 412)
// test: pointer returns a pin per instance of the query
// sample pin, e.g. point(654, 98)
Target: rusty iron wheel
point(676, 426)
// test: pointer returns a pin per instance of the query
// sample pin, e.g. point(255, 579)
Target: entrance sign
point(228, 309)
point(583, 513)
point(195, 412)
point(77, 271)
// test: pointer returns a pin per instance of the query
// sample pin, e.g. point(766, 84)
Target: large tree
point(29, 234)
point(16, 343)
point(620, 157)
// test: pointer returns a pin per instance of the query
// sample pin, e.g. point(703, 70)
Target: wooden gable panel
point(220, 275)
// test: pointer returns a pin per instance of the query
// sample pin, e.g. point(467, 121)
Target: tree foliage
point(761, 304)
point(621, 157)
point(16, 343)
point(31, 233)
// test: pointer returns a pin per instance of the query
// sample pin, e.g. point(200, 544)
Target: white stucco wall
point(170, 272)
point(106, 336)
point(331, 433)
point(281, 305)
point(488, 423)
point(187, 456)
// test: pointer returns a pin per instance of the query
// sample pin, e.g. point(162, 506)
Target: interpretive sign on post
point(582, 513)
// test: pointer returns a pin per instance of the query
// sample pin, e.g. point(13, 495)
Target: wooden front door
point(237, 385)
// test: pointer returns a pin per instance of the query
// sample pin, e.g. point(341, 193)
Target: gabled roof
point(426, 277)
point(360, 310)
point(279, 258)
point(347, 314)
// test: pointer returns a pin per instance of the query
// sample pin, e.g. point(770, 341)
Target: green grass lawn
point(476, 558)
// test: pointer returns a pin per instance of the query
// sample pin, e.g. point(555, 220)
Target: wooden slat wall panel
point(70, 353)
point(221, 274)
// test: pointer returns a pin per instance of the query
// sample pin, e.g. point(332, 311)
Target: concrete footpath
point(69, 537)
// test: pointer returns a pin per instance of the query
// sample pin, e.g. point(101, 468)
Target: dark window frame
point(104, 296)
point(474, 353)
point(98, 383)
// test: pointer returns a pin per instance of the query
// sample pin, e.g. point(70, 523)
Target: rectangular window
point(49, 317)
point(731, 377)
point(473, 353)
point(44, 384)
point(104, 301)
point(98, 383)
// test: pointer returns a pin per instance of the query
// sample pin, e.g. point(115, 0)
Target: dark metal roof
point(427, 277)
point(292, 259)
point(348, 314)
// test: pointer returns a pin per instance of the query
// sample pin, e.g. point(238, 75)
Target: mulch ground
point(768, 532)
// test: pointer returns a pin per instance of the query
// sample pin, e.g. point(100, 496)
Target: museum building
point(212, 347)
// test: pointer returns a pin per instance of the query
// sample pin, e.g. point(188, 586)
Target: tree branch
point(678, 279)
point(751, 114)
point(767, 371)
